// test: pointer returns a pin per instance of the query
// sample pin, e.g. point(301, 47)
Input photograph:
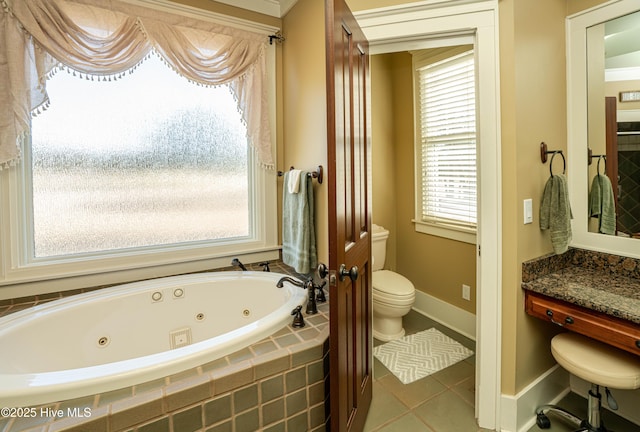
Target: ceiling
point(275, 8)
point(622, 44)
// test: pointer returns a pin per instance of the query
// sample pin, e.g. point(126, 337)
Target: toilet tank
point(379, 237)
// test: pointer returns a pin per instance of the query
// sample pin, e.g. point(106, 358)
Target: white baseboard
point(446, 314)
point(518, 412)
point(628, 400)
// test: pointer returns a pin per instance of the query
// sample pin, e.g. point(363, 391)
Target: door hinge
point(479, 250)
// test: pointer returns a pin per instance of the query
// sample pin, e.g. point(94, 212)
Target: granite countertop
point(617, 296)
point(578, 281)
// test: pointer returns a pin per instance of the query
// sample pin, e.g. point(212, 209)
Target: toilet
point(393, 294)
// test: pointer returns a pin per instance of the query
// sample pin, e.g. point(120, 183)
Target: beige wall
point(435, 265)
point(304, 102)
point(383, 145)
point(533, 107)
point(596, 114)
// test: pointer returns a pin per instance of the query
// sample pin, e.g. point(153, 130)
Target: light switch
point(528, 211)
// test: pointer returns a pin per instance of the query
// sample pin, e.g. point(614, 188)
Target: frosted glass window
point(118, 164)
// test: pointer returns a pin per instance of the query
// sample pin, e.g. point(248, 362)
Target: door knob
point(323, 271)
point(352, 273)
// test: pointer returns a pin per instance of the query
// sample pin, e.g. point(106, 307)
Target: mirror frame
point(576, 34)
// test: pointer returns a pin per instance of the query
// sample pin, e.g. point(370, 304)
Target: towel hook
point(543, 157)
point(600, 157)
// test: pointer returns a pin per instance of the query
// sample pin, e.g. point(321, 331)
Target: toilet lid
point(390, 282)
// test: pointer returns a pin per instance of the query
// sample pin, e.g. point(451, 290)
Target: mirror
point(603, 46)
point(613, 87)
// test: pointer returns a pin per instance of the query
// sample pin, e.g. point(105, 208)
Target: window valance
point(106, 38)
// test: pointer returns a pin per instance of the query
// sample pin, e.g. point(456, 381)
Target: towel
point(602, 205)
point(555, 212)
point(298, 230)
point(294, 181)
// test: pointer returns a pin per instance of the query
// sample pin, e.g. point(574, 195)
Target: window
point(153, 171)
point(117, 164)
point(446, 142)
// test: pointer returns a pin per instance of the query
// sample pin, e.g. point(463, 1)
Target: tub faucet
point(291, 280)
point(236, 263)
point(265, 266)
point(309, 286)
point(311, 303)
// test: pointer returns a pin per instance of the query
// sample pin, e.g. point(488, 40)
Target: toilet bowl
point(393, 294)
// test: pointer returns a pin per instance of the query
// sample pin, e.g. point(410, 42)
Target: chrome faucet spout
point(291, 280)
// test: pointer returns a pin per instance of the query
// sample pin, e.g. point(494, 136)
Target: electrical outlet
point(466, 292)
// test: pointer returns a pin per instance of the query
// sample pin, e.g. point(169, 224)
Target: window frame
point(22, 275)
point(440, 229)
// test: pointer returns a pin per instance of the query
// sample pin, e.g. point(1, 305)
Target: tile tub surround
point(277, 384)
point(602, 282)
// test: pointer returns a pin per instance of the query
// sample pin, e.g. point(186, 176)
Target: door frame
point(422, 25)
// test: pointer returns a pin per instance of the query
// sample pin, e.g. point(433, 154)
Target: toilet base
point(386, 329)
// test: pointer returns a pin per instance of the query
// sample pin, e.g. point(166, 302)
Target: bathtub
point(137, 332)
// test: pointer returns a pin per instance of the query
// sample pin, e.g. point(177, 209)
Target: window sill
point(450, 232)
point(42, 279)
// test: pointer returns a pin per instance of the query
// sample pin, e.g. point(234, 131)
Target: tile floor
point(444, 401)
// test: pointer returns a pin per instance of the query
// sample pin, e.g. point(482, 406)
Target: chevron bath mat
point(419, 355)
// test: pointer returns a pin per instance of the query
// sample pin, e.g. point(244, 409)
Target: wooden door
point(348, 147)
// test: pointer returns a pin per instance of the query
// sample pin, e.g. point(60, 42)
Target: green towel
point(555, 212)
point(298, 230)
point(602, 205)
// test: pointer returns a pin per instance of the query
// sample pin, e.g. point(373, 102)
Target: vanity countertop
point(613, 295)
point(604, 283)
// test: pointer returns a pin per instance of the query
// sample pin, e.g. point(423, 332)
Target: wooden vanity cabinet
point(617, 332)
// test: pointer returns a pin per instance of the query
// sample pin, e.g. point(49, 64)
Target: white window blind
point(448, 141)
